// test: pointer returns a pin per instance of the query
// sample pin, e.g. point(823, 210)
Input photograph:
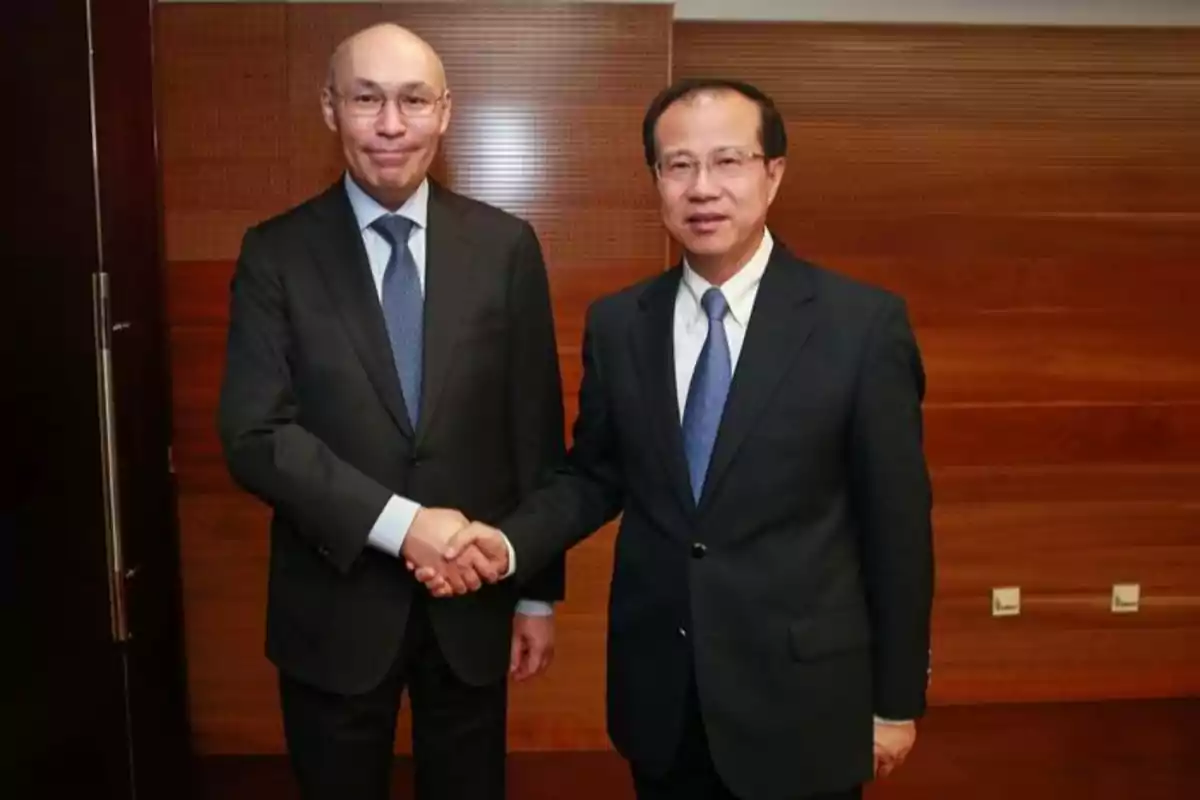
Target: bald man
point(391, 356)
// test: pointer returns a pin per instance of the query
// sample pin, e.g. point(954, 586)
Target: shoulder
point(848, 298)
point(287, 225)
point(619, 307)
point(477, 217)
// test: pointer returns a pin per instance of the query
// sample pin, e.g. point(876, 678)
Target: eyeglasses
point(368, 104)
point(725, 164)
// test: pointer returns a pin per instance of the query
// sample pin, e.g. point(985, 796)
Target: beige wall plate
point(1126, 598)
point(1006, 601)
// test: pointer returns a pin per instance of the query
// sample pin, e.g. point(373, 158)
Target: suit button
point(698, 550)
point(415, 461)
point(683, 632)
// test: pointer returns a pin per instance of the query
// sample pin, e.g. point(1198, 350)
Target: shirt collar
point(739, 290)
point(367, 209)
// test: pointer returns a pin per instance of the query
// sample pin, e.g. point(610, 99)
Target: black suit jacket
point(312, 421)
point(799, 589)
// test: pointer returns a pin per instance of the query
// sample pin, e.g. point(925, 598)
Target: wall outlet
point(1006, 601)
point(1126, 597)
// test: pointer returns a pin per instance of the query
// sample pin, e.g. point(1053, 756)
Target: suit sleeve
point(330, 504)
point(535, 399)
point(893, 503)
point(587, 492)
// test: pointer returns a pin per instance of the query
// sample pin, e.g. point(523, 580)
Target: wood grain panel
point(1029, 191)
point(1012, 434)
point(221, 78)
point(1097, 751)
point(1032, 195)
point(1149, 285)
point(546, 124)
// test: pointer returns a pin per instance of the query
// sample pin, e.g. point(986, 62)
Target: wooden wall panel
point(546, 123)
point(1032, 194)
point(1097, 751)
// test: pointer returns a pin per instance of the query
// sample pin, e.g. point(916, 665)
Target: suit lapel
point(448, 295)
point(653, 341)
point(780, 324)
point(342, 260)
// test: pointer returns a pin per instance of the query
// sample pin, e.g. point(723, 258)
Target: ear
point(775, 170)
point(328, 112)
point(447, 102)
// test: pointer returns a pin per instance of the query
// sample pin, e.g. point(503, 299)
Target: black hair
point(772, 135)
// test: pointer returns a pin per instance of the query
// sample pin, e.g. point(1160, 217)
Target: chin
point(389, 185)
point(706, 245)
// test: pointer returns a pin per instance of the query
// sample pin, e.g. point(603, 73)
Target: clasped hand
point(451, 555)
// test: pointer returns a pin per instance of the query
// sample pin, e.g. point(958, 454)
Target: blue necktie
point(707, 392)
point(403, 309)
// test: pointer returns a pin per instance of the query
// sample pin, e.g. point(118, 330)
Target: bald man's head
point(390, 41)
point(386, 98)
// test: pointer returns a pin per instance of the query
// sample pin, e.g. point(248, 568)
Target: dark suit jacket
point(799, 590)
point(312, 421)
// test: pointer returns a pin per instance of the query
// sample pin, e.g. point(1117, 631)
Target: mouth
point(389, 157)
point(704, 222)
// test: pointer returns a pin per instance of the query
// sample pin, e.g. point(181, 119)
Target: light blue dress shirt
point(397, 516)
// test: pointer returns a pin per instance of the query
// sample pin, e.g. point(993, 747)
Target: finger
point(488, 569)
point(411, 566)
point(455, 579)
point(476, 562)
point(464, 538)
point(525, 669)
point(533, 661)
point(514, 657)
point(442, 589)
point(459, 542)
point(540, 663)
point(472, 579)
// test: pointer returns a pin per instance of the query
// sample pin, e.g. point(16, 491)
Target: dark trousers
point(693, 776)
point(341, 747)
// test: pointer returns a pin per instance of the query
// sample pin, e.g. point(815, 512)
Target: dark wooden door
point(92, 695)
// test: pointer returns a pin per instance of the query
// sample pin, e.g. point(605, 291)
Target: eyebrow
point(721, 149)
point(364, 83)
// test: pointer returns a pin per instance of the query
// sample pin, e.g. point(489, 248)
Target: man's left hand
point(893, 741)
point(532, 645)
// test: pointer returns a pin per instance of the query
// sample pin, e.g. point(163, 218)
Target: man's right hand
point(477, 549)
point(426, 541)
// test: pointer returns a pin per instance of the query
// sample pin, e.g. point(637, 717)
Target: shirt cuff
point(535, 608)
point(512, 558)
point(882, 721)
point(392, 525)
point(530, 608)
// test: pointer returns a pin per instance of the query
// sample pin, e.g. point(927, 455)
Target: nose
point(703, 187)
point(390, 121)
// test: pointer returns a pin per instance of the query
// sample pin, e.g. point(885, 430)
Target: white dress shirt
point(397, 516)
point(691, 323)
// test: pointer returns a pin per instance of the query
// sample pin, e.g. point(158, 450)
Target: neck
point(717, 268)
point(393, 199)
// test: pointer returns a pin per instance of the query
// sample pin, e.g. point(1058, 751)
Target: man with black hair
point(758, 421)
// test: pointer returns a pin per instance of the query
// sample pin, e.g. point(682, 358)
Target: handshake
point(451, 555)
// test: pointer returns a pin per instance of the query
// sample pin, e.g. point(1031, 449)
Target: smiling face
point(386, 98)
point(714, 183)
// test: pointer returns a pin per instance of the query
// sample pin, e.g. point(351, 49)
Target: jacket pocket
point(829, 633)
